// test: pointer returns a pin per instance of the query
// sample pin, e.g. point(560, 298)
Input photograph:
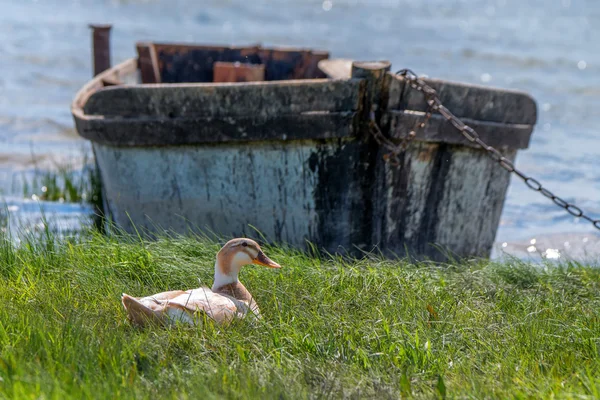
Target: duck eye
point(244, 244)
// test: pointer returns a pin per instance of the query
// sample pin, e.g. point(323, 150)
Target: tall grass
point(332, 327)
point(63, 182)
point(67, 183)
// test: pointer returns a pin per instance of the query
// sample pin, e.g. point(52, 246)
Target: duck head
point(234, 255)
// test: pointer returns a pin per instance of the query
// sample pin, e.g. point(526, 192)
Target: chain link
point(434, 104)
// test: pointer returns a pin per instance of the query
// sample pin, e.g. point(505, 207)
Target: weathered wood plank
point(337, 195)
point(141, 132)
point(251, 98)
point(473, 198)
point(515, 136)
point(338, 68)
point(124, 72)
point(282, 64)
point(313, 71)
point(442, 200)
point(285, 64)
point(395, 90)
point(148, 63)
point(471, 101)
point(234, 187)
point(367, 186)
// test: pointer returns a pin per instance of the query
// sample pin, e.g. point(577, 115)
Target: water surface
point(548, 48)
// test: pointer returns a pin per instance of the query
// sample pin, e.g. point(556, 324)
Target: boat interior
point(185, 63)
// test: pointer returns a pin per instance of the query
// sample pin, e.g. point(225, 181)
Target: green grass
point(332, 328)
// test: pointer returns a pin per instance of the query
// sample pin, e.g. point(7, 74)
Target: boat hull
point(296, 162)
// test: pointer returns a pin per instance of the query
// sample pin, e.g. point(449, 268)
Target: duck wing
point(220, 307)
point(181, 306)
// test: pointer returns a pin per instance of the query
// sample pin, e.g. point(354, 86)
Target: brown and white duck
point(228, 299)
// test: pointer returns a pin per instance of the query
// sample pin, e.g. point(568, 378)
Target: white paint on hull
point(224, 188)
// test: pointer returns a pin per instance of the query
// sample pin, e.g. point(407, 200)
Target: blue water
point(548, 48)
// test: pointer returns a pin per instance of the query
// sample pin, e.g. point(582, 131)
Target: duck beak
point(262, 259)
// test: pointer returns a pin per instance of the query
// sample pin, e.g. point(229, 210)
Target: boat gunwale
point(97, 83)
point(131, 65)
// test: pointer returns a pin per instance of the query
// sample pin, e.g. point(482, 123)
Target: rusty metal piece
point(238, 72)
point(101, 47)
point(282, 64)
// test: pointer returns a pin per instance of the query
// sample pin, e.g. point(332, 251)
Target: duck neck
point(227, 283)
point(224, 275)
point(235, 290)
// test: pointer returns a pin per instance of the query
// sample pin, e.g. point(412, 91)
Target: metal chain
point(434, 104)
point(396, 150)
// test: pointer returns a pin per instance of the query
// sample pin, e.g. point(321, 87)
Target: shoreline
point(581, 247)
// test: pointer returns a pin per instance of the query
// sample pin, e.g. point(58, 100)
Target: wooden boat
point(232, 139)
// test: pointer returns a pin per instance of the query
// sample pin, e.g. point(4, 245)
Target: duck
point(227, 299)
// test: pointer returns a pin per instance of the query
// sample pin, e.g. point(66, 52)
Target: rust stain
point(237, 72)
point(427, 152)
point(101, 47)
